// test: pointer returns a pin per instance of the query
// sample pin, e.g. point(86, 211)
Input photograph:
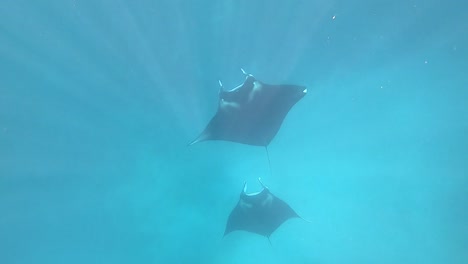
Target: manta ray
point(251, 113)
point(261, 213)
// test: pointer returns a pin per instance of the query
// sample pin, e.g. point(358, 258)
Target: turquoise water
point(98, 100)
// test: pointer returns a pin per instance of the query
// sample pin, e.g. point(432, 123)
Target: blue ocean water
point(98, 100)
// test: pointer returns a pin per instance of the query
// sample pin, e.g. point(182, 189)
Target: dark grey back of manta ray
point(261, 213)
point(251, 113)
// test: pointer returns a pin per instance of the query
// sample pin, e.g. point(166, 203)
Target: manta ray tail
point(269, 162)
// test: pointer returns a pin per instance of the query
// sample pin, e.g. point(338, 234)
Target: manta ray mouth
point(250, 194)
point(253, 194)
point(305, 90)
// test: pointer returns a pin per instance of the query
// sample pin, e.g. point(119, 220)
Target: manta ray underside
point(261, 213)
point(251, 113)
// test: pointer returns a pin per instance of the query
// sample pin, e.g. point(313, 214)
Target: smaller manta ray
point(251, 113)
point(261, 213)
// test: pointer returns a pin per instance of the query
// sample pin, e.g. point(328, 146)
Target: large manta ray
point(251, 113)
point(261, 213)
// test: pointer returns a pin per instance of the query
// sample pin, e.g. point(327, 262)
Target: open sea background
point(99, 98)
